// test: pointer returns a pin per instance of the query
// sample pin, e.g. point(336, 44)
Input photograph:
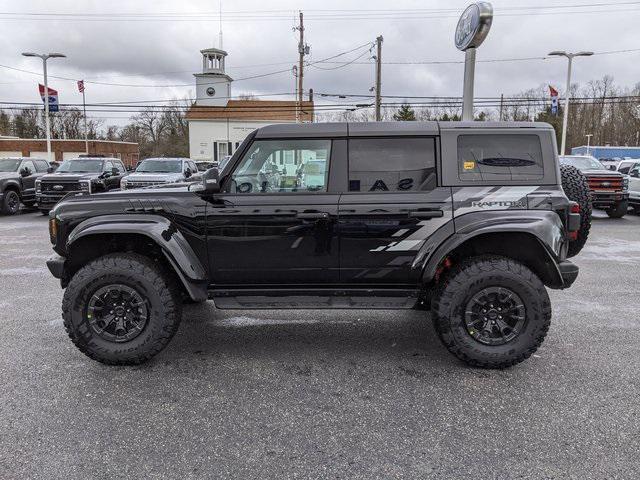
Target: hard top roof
point(374, 129)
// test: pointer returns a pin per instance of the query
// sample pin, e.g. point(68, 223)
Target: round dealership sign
point(211, 91)
point(474, 25)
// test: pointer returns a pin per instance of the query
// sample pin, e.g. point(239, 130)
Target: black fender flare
point(11, 184)
point(161, 231)
point(543, 225)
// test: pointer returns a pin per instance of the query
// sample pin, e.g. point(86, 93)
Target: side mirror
point(210, 183)
point(50, 170)
point(187, 173)
point(635, 173)
point(115, 171)
point(25, 172)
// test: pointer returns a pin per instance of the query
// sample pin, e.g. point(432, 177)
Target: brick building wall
point(128, 152)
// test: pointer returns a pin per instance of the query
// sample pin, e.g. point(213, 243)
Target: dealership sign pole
point(473, 27)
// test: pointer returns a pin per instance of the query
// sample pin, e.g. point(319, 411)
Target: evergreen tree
point(405, 114)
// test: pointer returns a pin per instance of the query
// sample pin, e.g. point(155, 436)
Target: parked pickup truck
point(609, 189)
point(157, 171)
point(78, 175)
point(18, 178)
point(467, 219)
point(634, 187)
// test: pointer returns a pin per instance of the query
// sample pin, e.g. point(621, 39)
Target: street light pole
point(565, 120)
point(588, 141)
point(46, 108)
point(45, 57)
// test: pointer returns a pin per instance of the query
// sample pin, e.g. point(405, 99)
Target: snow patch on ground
point(614, 251)
point(246, 321)
point(22, 271)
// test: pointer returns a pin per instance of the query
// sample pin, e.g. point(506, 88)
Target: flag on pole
point(554, 100)
point(81, 86)
point(53, 97)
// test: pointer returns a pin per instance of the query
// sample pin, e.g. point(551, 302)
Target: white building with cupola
point(218, 122)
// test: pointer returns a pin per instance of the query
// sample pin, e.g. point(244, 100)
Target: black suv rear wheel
point(491, 312)
point(121, 309)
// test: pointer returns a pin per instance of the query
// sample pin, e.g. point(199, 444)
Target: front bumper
point(569, 272)
point(55, 264)
point(600, 199)
point(50, 200)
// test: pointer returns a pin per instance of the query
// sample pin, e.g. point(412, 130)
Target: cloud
point(167, 52)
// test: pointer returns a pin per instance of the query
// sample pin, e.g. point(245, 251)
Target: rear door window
point(41, 165)
point(403, 164)
point(499, 157)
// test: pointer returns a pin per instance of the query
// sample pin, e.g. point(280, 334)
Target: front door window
point(294, 166)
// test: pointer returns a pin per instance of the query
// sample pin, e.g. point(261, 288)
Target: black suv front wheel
point(121, 309)
point(491, 312)
point(10, 203)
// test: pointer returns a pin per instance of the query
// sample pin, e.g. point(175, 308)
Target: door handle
point(426, 214)
point(312, 215)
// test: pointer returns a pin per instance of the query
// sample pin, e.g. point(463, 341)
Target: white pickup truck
point(634, 187)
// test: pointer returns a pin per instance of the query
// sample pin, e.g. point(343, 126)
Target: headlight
point(625, 183)
point(85, 186)
point(123, 183)
point(38, 185)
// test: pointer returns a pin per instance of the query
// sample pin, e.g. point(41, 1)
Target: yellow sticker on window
point(469, 165)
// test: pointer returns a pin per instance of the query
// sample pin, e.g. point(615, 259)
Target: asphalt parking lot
point(322, 394)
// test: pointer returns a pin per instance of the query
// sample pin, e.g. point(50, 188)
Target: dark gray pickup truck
point(18, 176)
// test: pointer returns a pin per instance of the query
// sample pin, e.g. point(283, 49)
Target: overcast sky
point(144, 52)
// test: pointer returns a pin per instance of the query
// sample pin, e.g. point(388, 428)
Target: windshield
point(582, 163)
point(160, 165)
point(81, 165)
point(9, 164)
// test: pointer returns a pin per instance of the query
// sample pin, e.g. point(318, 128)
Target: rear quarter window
point(499, 157)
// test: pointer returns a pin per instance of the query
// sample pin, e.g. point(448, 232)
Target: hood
point(154, 177)
point(68, 176)
point(602, 173)
point(6, 175)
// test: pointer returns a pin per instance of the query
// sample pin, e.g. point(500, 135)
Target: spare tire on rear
point(576, 188)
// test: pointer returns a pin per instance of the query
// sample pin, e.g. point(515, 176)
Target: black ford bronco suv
point(468, 219)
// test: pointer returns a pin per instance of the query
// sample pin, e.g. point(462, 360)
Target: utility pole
point(301, 48)
point(378, 77)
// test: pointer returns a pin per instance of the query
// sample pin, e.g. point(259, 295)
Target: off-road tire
point(619, 210)
point(10, 203)
point(157, 287)
point(468, 278)
point(576, 188)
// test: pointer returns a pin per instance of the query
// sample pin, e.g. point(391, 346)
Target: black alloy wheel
point(495, 316)
point(117, 313)
point(11, 204)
